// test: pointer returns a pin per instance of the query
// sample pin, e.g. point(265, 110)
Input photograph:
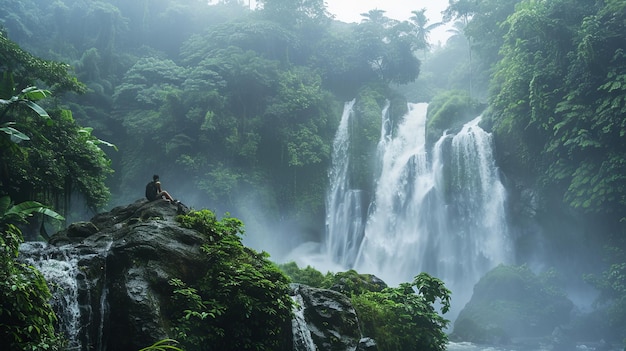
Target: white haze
point(350, 11)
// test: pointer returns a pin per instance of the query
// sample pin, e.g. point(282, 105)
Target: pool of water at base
point(468, 346)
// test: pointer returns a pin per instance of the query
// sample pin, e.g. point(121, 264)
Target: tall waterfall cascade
point(440, 211)
point(343, 204)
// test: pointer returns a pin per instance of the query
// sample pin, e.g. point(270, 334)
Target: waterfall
point(392, 237)
point(441, 212)
point(343, 204)
point(73, 292)
point(302, 340)
point(60, 269)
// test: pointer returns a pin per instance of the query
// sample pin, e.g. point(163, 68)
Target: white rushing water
point(343, 204)
point(302, 340)
point(60, 269)
point(72, 291)
point(440, 211)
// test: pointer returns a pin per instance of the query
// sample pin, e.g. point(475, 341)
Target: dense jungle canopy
point(236, 108)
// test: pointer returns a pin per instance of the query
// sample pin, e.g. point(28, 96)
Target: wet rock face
point(126, 258)
point(330, 317)
point(121, 263)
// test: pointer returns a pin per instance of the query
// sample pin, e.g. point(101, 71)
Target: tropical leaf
point(27, 208)
point(163, 345)
point(15, 135)
point(34, 94)
point(33, 106)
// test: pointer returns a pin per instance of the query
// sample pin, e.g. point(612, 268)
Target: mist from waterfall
point(440, 211)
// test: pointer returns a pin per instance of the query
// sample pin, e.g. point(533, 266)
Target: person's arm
point(158, 186)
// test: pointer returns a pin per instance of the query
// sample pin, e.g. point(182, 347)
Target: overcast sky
point(351, 10)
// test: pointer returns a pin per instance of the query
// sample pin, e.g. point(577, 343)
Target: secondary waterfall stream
point(72, 292)
point(440, 211)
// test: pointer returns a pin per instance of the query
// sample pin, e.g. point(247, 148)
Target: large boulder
point(110, 280)
point(122, 261)
point(330, 320)
point(511, 302)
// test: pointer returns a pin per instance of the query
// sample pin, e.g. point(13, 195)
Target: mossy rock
point(450, 111)
point(512, 302)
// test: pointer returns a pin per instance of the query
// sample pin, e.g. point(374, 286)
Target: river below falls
point(468, 346)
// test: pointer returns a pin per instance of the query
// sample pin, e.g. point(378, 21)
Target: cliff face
point(126, 258)
point(118, 289)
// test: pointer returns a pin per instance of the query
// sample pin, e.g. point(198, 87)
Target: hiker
point(154, 191)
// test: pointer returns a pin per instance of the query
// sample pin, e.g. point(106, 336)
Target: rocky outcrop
point(511, 302)
point(123, 260)
point(330, 318)
point(118, 265)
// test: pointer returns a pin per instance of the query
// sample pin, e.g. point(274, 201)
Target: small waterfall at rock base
point(302, 340)
point(72, 291)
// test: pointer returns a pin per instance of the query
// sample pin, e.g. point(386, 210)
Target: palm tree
point(420, 29)
point(375, 16)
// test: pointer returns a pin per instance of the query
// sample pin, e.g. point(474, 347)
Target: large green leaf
point(33, 106)
point(15, 135)
point(34, 94)
point(27, 208)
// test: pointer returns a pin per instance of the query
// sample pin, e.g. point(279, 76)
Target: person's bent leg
point(167, 195)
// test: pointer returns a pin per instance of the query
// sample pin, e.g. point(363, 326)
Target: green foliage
point(611, 301)
point(26, 317)
point(60, 159)
point(388, 47)
point(370, 102)
point(198, 86)
point(17, 101)
point(292, 13)
point(28, 69)
point(511, 301)
point(307, 276)
point(560, 99)
point(163, 345)
point(352, 283)
point(449, 111)
point(18, 213)
point(404, 318)
point(240, 303)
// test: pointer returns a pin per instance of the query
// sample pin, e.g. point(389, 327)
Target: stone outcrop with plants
point(153, 271)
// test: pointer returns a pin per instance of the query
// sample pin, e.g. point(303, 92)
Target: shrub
point(241, 303)
point(26, 317)
point(402, 318)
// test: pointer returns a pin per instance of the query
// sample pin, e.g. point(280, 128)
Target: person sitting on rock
point(154, 191)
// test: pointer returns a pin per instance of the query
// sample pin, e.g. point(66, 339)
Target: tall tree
point(420, 29)
point(293, 13)
point(60, 159)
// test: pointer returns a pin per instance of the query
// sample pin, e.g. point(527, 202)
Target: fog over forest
point(493, 161)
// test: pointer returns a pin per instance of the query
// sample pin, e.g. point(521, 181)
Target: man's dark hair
point(155, 177)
